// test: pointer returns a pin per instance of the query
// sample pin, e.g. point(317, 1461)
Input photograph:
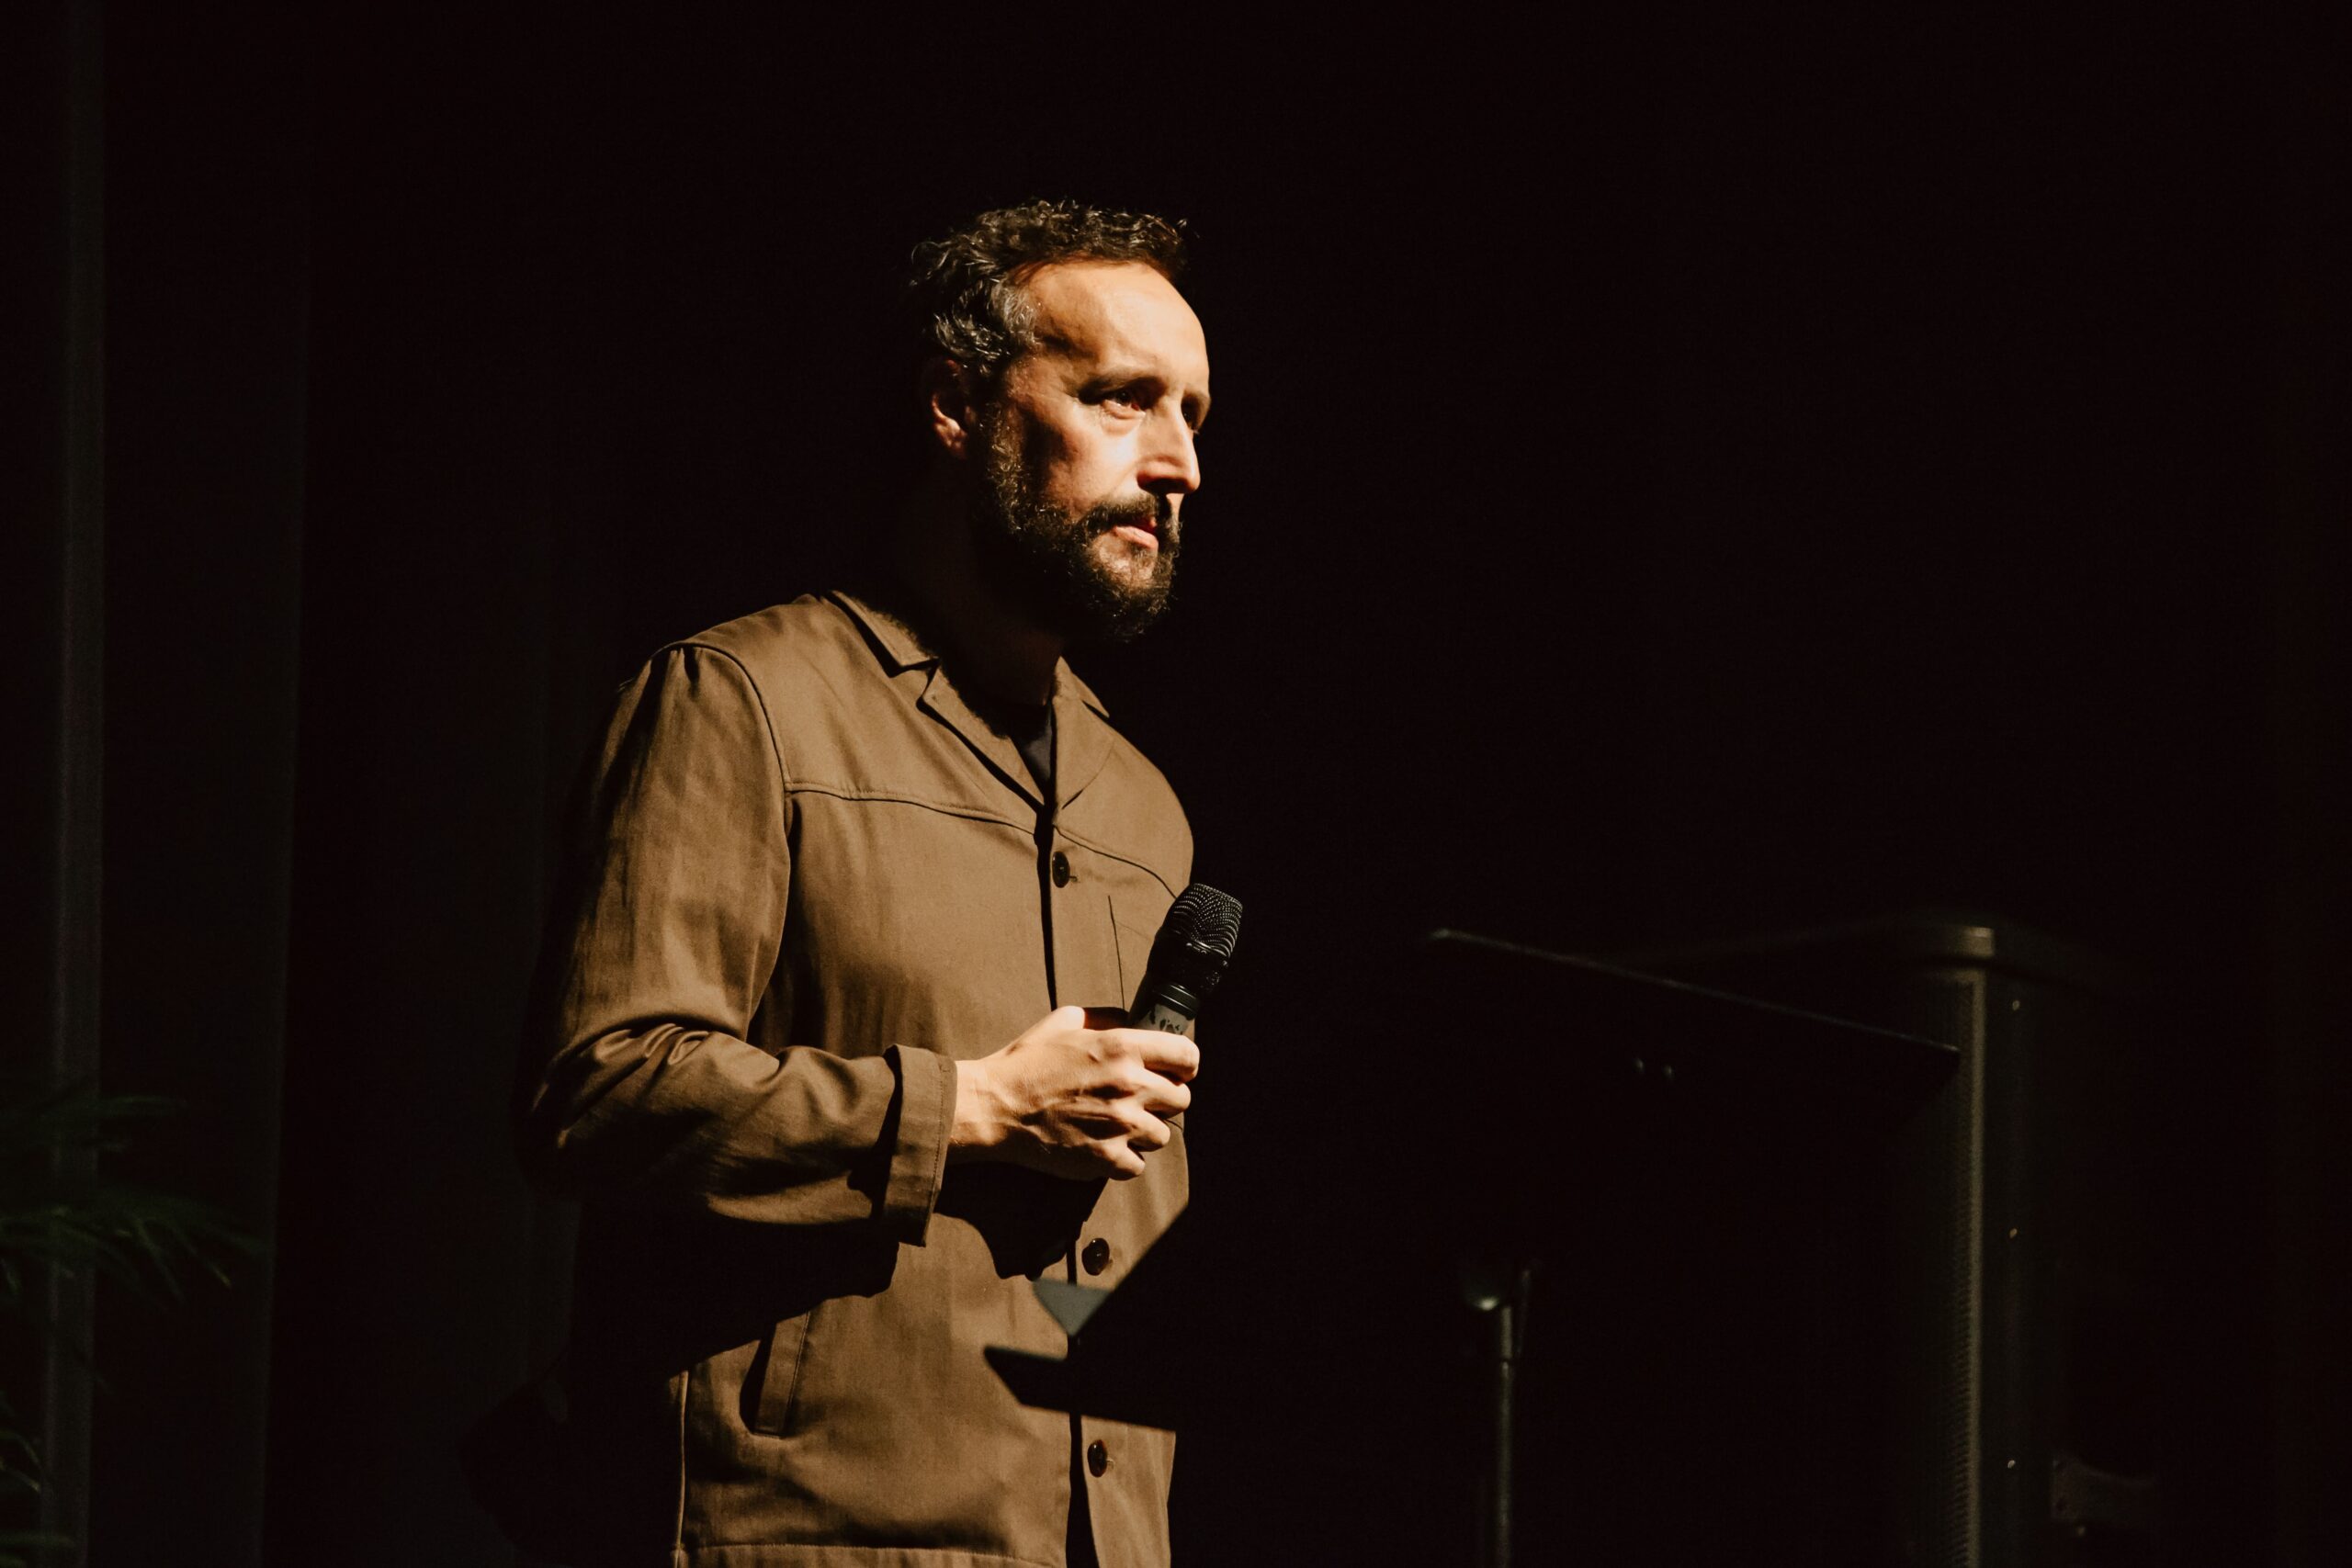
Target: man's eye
point(1128, 398)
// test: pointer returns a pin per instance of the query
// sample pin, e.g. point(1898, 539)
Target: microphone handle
point(1163, 1005)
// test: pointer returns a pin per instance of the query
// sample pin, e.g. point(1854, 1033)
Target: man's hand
point(1073, 1101)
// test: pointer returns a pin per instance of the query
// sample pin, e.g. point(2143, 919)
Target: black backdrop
point(1666, 483)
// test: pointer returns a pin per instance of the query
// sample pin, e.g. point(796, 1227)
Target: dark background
point(1666, 483)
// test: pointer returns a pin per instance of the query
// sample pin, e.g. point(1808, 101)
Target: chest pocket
point(1093, 965)
point(1134, 955)
point(1107, 915)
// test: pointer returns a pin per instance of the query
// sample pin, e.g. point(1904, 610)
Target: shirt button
point(1098, 1458)
point(1097, 1256)
point(1061, 869)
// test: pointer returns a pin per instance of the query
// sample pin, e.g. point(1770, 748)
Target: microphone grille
point(1205, 920)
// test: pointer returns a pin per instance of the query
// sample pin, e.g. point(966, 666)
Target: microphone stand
point(1504, 1305)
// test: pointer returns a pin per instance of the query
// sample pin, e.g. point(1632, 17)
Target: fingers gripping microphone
point(1188, 959)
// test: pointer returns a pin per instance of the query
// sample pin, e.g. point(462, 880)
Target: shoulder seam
point(751, 683)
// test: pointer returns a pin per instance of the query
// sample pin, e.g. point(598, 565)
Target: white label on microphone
point(1163, 1018)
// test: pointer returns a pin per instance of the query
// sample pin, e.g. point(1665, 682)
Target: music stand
point(1621, 1031)
point(1617, 1032)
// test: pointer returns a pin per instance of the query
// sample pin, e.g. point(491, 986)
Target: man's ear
point(951, 399)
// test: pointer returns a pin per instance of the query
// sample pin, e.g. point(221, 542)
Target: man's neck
point(987, 642)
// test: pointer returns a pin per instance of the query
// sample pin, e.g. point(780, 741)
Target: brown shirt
point(806, 879)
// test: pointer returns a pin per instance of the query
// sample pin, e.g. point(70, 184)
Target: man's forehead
point(1118, 312)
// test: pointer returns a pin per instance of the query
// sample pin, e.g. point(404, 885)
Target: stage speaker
point(2021, 1201)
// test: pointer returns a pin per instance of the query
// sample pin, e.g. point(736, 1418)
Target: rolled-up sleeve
point(639, 1081)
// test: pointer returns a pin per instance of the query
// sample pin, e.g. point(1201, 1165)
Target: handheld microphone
point(1188, 959)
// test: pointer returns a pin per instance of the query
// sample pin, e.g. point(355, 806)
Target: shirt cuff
point(918, 1153)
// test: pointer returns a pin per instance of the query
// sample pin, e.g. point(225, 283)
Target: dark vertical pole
point(1504, 1307)
point(2309, 863)
point(1506, 1326)
point(77, 821)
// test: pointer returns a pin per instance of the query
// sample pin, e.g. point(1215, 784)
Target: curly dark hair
point(963, 290)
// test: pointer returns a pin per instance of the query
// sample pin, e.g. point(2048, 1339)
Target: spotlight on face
point(1100, 575)
point(1088, 452)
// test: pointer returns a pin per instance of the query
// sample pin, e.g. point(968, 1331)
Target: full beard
point(1066, 570)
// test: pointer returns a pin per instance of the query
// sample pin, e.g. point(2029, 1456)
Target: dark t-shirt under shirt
point(1030, 727)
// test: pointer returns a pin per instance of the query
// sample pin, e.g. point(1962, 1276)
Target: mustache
point(1159, 510)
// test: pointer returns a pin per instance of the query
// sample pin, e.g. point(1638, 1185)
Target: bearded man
point(812, 1038)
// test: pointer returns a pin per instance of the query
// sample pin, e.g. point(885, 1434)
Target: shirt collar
point(1083, 738)
point(896, 644)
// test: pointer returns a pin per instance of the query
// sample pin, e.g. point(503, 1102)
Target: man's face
point(1087, 453)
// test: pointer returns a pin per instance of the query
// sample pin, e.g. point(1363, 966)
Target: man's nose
point(1172, 463)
